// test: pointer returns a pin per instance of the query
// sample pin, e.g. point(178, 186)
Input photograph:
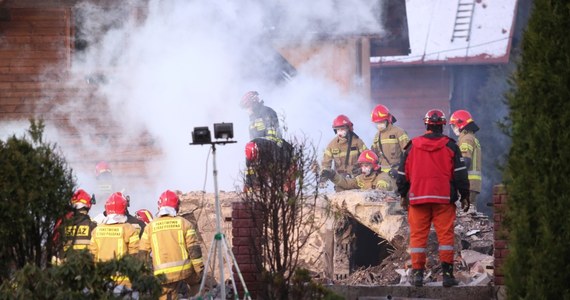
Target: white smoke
point(187, 64)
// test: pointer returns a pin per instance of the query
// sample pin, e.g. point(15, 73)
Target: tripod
point(220, 244)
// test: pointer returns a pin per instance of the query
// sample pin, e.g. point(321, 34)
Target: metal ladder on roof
point(463, 20)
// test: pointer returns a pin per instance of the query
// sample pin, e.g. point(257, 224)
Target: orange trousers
point(420, 218)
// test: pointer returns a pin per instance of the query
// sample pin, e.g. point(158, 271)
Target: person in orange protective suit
point(431, 174)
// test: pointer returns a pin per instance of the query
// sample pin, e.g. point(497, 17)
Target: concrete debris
point(364, 239)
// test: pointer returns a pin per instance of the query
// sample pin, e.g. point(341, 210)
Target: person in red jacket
point(431, 176)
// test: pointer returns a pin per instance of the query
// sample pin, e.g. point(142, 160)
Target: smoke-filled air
point(184, 64)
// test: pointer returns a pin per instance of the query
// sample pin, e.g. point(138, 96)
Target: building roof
point(431, 25)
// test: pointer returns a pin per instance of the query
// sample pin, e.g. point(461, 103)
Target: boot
point(418, 277)
point(448, 279)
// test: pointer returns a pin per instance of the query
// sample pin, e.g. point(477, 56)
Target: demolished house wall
point(335, 254)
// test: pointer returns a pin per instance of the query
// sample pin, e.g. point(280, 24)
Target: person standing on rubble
point(175, 248)
point(389, 141)
point(342, 152)
point(464, 127)
point(263, 121)
point(430, 176)
point(268, 160)
point(370, 175)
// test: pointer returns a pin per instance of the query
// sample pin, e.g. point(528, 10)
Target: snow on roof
point(431, 25)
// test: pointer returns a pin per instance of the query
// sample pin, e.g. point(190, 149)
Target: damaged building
point(364, 239)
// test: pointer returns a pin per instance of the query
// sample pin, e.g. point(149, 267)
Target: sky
point(188, 63)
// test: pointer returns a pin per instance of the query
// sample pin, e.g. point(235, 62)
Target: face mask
point(455, 130)
point(366, 169)
point(341, 133)
point(381, 126)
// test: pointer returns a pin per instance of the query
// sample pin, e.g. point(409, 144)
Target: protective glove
point(328, 174)
point(394, 170)
point(356, 170)
point(465, 203)
point(404, 202)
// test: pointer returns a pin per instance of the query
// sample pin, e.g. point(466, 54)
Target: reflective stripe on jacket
point(109, 241)
point(393, 140)
point(336, 153)
point(175, 248)
point(376, 180)
point(432, 170)
point(470, 148)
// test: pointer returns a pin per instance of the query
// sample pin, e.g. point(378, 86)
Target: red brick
point(252, 232)
point(248, 268)
point(499, 189)
point(497, 199)
point(504, 252)
point(241, 241)
point(246, 250)
point(240, 223)
point(499, 280)
point(501, 244)
point(497, 218)
point(244, 258)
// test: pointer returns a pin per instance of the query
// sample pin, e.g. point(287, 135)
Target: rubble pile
point(333, 253)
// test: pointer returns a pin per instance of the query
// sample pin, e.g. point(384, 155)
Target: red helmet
point(116, 204)
point(81, 199)
point(170, 199)
point(342, 121)
point(460, 119)
point(381, 113)
point(368, 157)
point(249, 99)
point(102, 167)
point(251, 151)
point(144, 215)
point(435, 117)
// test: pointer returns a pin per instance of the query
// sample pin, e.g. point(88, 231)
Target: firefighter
point(144, 215)
point(430, 176)
point(115, 238)
point(265, 159)
point(79, 227)
point(104, 178)
point(136, 222)
point(263, 121)
point(370, 176)
point(342, 152)
point(464, 127)
point(389, 141)
point(175, 249)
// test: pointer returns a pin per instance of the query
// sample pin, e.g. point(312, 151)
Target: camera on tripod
point(202, 135)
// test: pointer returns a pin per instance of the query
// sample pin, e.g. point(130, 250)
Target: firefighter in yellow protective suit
point(175, 249)
point(389, 142)
point(341, 154)
point(370, 178)
point(114, 237)
point(464, 127)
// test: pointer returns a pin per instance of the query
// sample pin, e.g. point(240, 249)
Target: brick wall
point(500, 198)
point(244, 233)
point(36, 51)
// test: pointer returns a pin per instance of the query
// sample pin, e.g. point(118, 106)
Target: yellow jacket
point(110, 241)
point(376, 180)
point(175, 249)
point(336, 152)
point(470, 148)
point(393, 140)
